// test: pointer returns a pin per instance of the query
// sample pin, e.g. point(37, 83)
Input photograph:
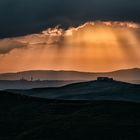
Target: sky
point(82, 35)
point(20, 17)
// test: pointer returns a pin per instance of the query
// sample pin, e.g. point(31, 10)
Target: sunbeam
point(93, 46)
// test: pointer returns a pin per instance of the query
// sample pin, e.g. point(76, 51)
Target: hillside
point(92, 90)
point(28, 118)
point(25, 84)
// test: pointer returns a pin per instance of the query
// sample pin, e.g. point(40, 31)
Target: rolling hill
point(25, 84)
point(28, 118)
point(92, 90)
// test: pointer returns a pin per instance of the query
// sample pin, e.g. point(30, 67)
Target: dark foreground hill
point(28, 118)
point(92, 90)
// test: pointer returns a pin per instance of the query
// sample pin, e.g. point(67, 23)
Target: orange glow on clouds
point(93, 46)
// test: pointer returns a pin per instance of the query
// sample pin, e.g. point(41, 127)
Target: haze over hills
point(92, 90)
point(127, 75)
point(25, 84)
point(79, 111)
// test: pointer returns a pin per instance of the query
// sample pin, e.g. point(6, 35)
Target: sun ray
point(93, 46)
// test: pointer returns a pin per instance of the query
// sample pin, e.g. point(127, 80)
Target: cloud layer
point(89, 32)
point(97, 46)
point(7, 45)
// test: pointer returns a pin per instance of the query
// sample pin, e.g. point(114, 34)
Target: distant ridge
point(127, 75)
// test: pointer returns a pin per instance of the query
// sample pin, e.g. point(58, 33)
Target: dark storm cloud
point(18, 17)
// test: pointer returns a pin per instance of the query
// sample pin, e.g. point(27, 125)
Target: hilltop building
point(104, 79)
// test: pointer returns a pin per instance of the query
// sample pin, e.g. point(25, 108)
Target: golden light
point(93, 46)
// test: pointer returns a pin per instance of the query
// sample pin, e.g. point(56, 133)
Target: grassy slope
point(26, 118)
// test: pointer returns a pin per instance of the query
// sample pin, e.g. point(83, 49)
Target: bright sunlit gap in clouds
point(93, 46)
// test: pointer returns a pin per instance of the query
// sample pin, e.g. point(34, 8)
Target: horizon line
point(70, 70)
